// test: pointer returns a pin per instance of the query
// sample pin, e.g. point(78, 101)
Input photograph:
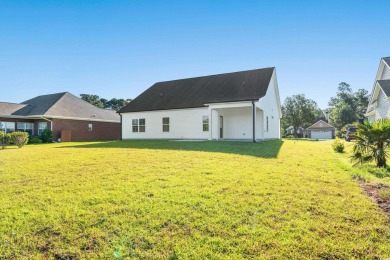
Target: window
point(267, 124)
point(165, 124)
point(138, 125)
point(25, 127)
point(205, 121)
point(90, 127)
point(41, 126)
point(7, 127)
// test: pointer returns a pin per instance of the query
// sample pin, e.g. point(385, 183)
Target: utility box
point(66, 135)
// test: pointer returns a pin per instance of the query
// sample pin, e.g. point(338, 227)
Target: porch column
point(254, 121)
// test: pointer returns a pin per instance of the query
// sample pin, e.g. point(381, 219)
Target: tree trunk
point(381, 161)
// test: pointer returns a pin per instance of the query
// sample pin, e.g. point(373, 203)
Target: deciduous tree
point(298, 111)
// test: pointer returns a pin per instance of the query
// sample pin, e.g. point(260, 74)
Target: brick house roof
point(59, 105)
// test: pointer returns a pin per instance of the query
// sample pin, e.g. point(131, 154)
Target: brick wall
point(103, 131)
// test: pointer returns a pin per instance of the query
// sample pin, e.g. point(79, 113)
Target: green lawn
point(186, 200)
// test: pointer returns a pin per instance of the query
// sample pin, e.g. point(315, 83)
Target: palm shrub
point(20, 139)
point(372, 141)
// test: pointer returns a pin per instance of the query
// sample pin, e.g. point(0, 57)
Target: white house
point(241, 105)
point(379, 105)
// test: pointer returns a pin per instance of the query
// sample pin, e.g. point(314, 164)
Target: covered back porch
point(236, 121)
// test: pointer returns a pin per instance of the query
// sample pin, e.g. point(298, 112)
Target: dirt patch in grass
point(380, 193)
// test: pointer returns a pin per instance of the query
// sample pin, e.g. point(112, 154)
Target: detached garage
point(320, 130)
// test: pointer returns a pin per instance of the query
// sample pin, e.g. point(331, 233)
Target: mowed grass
point(185, 200)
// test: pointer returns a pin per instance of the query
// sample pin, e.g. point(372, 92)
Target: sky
point(117, 49)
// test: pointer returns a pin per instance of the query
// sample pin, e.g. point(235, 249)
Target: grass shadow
point(265, 149)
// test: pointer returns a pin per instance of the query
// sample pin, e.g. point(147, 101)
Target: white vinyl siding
point(183, 124)
point(383, 108)
point(386, 73)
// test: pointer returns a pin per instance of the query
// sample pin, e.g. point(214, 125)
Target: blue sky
point(120, 48)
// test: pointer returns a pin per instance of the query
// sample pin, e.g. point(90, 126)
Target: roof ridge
point(219, 74)
point(11, 103)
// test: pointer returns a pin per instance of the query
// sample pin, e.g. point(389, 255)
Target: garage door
point(321, 134)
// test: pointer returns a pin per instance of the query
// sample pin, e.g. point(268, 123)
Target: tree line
point(347, 107)
point(114, 103)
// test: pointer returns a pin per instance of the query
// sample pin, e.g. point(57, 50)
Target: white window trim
point(138, 125)
point(204, 124)
point(169, 122)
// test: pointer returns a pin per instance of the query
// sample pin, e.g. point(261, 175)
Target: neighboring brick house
point(69, 117)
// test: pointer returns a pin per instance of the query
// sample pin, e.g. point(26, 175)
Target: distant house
point(320, 130)
point(300, 131)
point(69, 117)
point(379, 104)
point(241, 105)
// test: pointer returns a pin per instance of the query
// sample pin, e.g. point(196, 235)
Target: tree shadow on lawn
point(264, 149)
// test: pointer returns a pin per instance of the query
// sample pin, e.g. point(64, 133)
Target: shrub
point(4, 139)
point(47, 136)
point(290, 136)
point(34, 139)
point(19, 138)
point(338, 145)
point(339, 134)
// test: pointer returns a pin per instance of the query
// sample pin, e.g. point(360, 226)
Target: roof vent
point(161, 94)
point(243, 83)
point(93, 116)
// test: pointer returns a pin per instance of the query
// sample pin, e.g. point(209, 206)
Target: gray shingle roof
point(9, 108)
point(387, 60)
point(61, 105)
point(320, 124)
point(385, 85)
point(196, 92)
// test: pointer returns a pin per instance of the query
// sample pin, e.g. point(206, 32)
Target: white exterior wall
point(270, 105)
point(383, 108)
point(237, 120)
point(237, 123)
point(183, 124)
point(385, 73)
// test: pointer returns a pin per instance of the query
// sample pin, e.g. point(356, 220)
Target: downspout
point(121, 138)
point(254, 120)
point(51, 123)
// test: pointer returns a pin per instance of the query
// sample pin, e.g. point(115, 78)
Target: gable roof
point(59, 105)
point(387, 60)
point(196, 92)
point(320, 125)
point(385, 86)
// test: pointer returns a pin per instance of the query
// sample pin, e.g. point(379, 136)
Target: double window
point(139, 125)
point(41, 126)
point(25, 127)
point(205, 121)
point(165, 124)
point(7, 127)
